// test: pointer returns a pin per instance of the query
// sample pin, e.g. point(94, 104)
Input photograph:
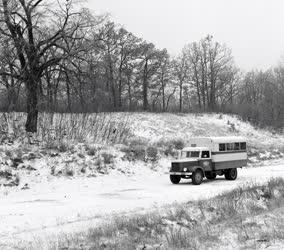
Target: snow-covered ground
point(73, 187)
point(75, 204)
point(154, 127)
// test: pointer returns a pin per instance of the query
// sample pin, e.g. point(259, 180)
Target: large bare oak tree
point(42, 33)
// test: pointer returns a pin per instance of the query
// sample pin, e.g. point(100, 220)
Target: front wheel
point(197, 177)
point(231, 174)
point(175, 179)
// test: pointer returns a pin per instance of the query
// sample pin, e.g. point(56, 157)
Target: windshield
point(190, 154)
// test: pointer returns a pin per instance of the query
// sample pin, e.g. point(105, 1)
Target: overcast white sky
point(253, 29)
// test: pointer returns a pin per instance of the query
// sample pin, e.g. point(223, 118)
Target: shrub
point(152, 154)
point(170, 147)
point(180, 239)
point(137, 142)
point(7, 174)
point(63, 147)
point(170, 151)
point(178, 144)
point(137, 152)
point(99, 163)
point(17, 179)
point(69, 171)
point(91, 150)
point(108, 158)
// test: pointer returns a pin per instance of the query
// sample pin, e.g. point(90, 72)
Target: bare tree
point(149, 66)
point(38, 47)
point(11, 84)
point(181, 70)
point(212, 71)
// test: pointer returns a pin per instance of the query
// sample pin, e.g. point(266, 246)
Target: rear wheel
point(175, 179)
point(197, 177)
point(231, 174)
point(210, 175)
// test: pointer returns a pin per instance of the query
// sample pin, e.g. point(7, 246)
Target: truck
point(210, 157)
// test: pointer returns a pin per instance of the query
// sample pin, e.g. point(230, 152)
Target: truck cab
point(209, 159)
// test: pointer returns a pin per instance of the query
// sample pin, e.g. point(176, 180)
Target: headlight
point(185, 169)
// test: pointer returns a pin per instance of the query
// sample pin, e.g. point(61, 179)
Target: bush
point(108, 158)
point(137, 142)
point(7, 174)
point(178, 144)
point(137, 152)
point(61, 146)
point(152, 154)
point(170, 147)
point(64, 147)
point(69, 171)
point(17, 179)
point(170, 151)
point(99, 163)
point(91, 151)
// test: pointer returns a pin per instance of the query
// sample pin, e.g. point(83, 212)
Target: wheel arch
point(198, 168)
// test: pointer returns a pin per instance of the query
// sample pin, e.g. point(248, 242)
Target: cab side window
point(205, 154)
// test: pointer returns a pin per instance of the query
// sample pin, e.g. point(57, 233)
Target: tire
point(197, 177)
point(210, 175)
point(231, 174)
point(175, 179)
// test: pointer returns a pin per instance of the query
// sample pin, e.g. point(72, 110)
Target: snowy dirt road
point(73, 204)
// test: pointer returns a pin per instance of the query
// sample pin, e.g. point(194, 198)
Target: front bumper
point(180, 173)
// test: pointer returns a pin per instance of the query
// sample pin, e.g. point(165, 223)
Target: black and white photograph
point(141, 125)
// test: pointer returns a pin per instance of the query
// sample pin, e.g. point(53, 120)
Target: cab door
point(205, 160)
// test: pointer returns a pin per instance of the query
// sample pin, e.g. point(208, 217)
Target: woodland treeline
point(59, 57)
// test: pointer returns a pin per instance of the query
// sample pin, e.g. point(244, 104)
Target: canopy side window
point(230, 146)
point(243, 145)
point(236, 146)
point(222, 147)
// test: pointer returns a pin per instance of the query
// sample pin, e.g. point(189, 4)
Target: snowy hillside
point(155, 127)
point(117, 128)
point(79, 145)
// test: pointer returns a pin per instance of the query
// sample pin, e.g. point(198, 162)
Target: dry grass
point(246, 218)
point(56, 129)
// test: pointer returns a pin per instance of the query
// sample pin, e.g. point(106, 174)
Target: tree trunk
point(163, 94)
point(32, 105)
point(12, 98)
point(145, 87)
point(197, 87)
point(49, 91)
point(68, 92)
point(120, 87)
point(164, 99)
point(129, 93)
point(180, 97)
point(120, 94)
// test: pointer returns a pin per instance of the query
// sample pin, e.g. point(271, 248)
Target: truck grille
point(175, 167)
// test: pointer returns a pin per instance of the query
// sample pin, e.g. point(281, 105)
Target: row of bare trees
point(58, 57)
point(261, 97)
